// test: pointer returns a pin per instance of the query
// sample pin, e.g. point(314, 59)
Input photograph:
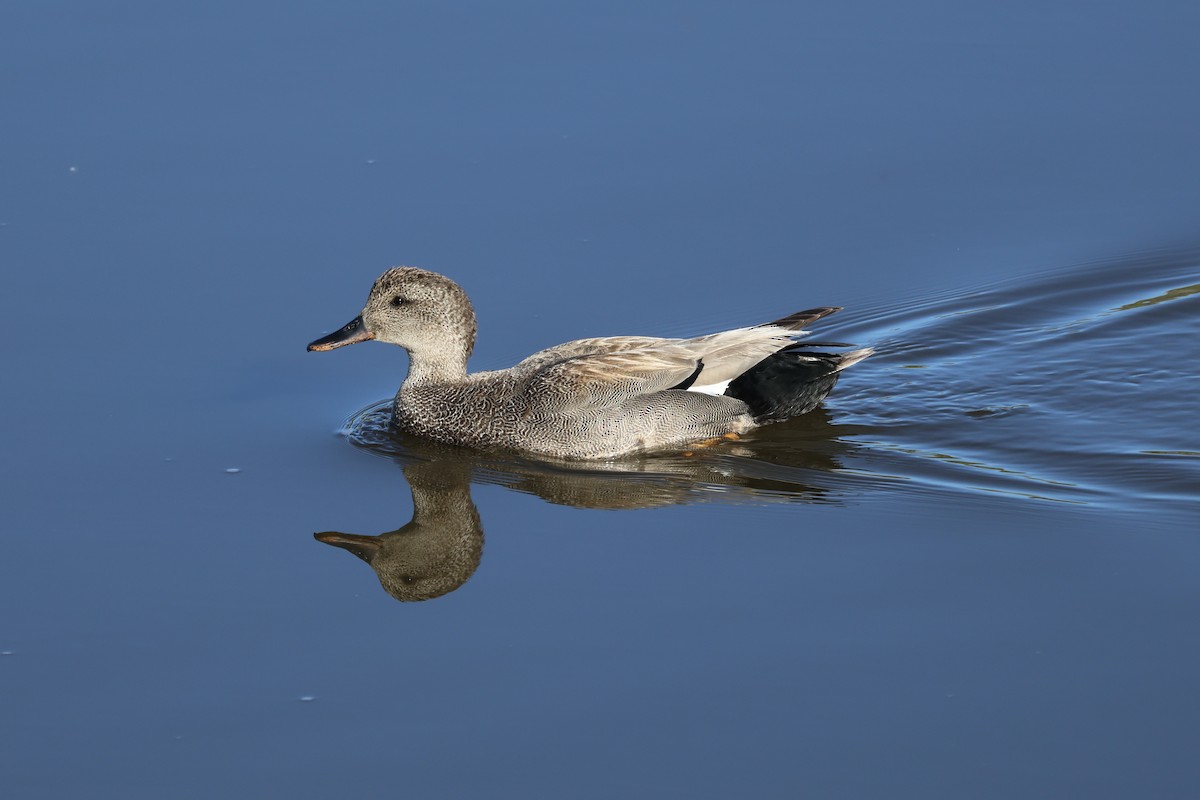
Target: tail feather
point(853, 357)
point(801, 319)
point(791, 382)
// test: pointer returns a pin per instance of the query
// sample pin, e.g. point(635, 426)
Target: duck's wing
point(588, 347)
point(728, 354)
point(721, 356)
point(608, 379)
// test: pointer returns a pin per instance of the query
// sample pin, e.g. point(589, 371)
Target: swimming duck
point(590, 398)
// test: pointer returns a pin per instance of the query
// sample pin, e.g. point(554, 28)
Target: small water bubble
point(370, 161)
point(72, 169)
point(232, 471)
point(7, 652)
point(307, 698)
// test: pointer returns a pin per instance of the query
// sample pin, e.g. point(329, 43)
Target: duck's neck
point(426, 369)
point(442, 496)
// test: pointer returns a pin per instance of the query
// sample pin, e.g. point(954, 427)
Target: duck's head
point(423, 312)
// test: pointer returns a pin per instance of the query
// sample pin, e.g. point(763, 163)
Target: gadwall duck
point(590, 398)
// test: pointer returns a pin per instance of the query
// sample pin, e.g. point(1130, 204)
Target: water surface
point(971, 573)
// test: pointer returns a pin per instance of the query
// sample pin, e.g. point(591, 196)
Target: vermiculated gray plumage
point(590, 398)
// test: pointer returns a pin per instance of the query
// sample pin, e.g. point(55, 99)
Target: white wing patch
point(712, 388)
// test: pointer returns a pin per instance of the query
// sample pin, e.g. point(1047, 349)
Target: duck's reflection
point(440, 548)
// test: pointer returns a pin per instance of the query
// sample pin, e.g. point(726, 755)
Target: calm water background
point(973, 573)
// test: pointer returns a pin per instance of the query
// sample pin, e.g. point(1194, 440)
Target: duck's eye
point(397, 301)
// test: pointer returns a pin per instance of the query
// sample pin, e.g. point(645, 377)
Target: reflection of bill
point(441, 547)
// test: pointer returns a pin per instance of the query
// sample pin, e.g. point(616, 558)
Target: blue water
point(970, 573)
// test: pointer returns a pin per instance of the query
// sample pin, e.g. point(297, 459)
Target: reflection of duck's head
point(438, 550)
